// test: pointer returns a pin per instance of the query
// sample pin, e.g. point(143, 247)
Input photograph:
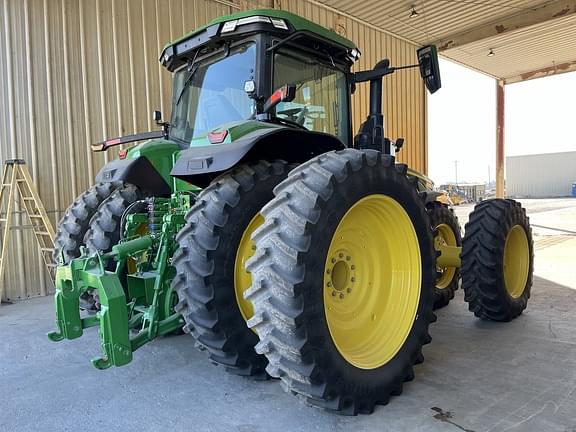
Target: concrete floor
point(478, 376)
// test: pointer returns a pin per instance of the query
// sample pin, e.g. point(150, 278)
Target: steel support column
point(499, 139)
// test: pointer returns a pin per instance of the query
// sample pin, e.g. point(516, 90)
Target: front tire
point(211, 277)
point(497, 260)
point(343, 281)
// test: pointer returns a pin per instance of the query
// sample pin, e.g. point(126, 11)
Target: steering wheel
point(300, 118)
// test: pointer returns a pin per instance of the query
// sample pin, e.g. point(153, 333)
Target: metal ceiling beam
point(547, 12)
point(543, 72)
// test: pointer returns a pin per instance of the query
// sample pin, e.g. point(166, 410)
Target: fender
point(138, 171)
point(200, 165)
point(146, 165)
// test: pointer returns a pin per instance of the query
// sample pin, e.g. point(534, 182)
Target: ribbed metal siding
point(541, 175)
point(522, 51)
point(75, 71)
point(404, 94)
point(437, 19)
point(545, 45)
point(71, 73)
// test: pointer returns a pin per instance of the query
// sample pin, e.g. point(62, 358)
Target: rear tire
point(446, 229)
point(497, 260)
point(76, 221)
point(210, 270)
point(105, 227)
point(321, 250)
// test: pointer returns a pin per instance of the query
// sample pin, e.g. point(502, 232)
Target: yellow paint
point(516, 261)
point(372, 281)
point(446, 263)
point(242, 278)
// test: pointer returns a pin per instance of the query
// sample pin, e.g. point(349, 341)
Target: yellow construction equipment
point(16, 180)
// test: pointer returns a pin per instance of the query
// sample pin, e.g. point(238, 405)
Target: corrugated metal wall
point(75, 71)
point(541, 175)
point(404, 94)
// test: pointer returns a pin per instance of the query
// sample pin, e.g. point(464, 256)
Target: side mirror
point(157, 117)
point(429, 68)
point(286, 93)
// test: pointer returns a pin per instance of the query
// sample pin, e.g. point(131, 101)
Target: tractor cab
point(226, 73)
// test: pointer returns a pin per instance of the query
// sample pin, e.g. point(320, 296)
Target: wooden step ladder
point(16, 180)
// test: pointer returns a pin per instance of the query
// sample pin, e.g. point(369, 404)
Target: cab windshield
point(210, 92)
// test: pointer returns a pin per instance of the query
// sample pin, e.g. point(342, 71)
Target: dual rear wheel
point(210, 263)
point(340, 291)
point(334, 270)
point(332, 267)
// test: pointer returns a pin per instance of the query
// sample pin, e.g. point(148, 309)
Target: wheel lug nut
point(329, 284)
point(348, 258)
point(352, 279)
point(341, 296)
point(333, 260)
point(333, 293)
point(353, 267)
point(328, 271)
point(341, 255)
point(349, 290)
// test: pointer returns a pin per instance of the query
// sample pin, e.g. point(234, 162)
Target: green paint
point(159, 153)
point(138, 307)
point(236, 130)
point(297, 22)
point(162, 154)
point(125, 323)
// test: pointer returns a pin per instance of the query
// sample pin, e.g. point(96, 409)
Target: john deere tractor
point(256, 221)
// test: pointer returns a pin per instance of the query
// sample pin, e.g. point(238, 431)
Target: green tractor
point(256, 222)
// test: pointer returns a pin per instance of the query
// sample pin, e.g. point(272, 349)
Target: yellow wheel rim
point(516, 261)
point(446, 237)
point(242, 278)
point(372, 281)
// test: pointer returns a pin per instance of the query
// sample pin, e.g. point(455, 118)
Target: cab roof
point(215, 29)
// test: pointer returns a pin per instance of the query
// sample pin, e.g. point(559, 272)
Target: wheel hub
point(341, 275)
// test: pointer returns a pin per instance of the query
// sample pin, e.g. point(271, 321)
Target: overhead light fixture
point(413, 13)
point(491, 53)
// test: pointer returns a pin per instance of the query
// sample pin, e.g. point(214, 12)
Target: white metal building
point(540, 176)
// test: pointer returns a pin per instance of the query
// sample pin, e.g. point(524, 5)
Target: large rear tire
point(211, 277)
point(497, 260)
point(343, 280)
point(446, 231)
point(104, 231)
point(75, 223)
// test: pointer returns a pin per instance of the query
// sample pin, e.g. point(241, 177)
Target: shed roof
point(529, 38)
